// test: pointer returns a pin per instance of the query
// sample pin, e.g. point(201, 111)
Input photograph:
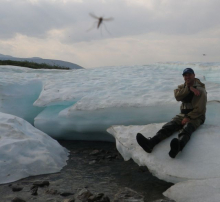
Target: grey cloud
point(31, 19)
point(169, 17)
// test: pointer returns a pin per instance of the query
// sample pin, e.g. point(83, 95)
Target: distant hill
point(38, 60)
point(32, 65)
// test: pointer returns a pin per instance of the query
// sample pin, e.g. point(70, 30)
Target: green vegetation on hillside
point(32, 65)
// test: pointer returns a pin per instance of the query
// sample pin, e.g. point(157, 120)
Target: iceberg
point(26, 151)
point(82, 104)
point(18, 98)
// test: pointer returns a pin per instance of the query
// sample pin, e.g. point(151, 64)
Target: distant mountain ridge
point(41, 60)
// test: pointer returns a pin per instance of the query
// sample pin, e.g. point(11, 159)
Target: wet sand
point(96, 166)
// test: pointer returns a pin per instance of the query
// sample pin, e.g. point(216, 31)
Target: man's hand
point(185, 120)
point(195, 91)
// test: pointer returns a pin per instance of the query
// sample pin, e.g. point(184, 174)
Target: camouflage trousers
point(195, 122)
point(176, 125)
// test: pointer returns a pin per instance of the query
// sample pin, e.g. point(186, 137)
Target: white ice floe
point(200, 158)
point(26, 151)
point(195, 191)
point(195, 170)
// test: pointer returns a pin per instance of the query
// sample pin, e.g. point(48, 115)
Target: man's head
point(189, 76)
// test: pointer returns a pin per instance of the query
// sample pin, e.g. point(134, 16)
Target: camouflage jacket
point(192, 106)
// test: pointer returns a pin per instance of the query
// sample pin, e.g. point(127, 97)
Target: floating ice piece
point(26, 151)
point(200, 158)
point(195, 191)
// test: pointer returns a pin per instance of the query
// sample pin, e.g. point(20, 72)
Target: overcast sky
point(142, 32)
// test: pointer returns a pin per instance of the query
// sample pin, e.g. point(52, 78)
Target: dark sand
point(105, 171)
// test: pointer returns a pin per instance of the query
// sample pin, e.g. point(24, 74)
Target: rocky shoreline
point(95, 172)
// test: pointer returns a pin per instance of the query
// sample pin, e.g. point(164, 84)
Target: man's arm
point(181, 92)
point(195, 91)
point(199, 104)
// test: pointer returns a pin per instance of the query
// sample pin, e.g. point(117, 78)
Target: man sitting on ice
point(193, 96)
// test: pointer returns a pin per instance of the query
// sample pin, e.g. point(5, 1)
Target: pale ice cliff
point(82, 104)
point(26, 151)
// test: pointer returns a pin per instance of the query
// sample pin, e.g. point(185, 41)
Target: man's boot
point(148, 143)
point(177, 145)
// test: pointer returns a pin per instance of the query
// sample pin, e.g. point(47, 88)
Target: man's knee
point(187, 130)
point(178, 119)
point(172, 125)
point(196, 123)
point(168, 129)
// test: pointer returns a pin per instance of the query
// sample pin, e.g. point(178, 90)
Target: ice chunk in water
point(26, 151)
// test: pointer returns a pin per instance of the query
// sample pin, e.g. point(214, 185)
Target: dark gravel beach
point(95, 166)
